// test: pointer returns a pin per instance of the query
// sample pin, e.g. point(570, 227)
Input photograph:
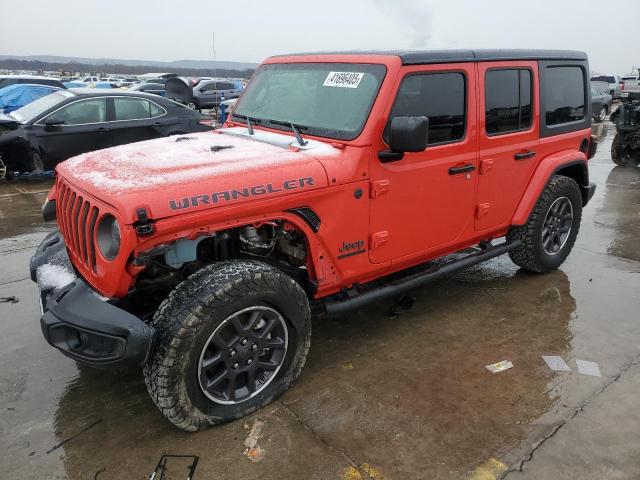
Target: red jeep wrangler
point(198, 256)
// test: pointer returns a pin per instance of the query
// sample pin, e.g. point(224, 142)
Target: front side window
point(85, 111)
point(439, 96)
point(134, 109)
point(564, 95)
point(324, 99)
point(507, 100)
point(34, 109)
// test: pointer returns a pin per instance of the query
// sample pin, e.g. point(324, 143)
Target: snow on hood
point(174, 168)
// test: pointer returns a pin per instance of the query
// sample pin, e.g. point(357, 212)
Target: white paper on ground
point(556, 363)
point(500, 366)
point(588, 368)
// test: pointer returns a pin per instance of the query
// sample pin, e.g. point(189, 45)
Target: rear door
point(508, 124)
point(136, 119)
point(84, 128)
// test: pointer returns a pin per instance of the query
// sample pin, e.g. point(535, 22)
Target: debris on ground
point(588, 368)
point(160, 473)
point(405, 302)
point(11, 300)
point(253, 450)
point(556, 363)
point(500, 366)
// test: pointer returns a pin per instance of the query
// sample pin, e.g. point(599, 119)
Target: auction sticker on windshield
point(343, 79)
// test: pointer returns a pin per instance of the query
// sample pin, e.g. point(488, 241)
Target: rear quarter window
point(564, 95)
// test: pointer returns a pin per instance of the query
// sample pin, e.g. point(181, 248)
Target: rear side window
point(564, 95)
point(604, 78)
point(134, 109)
point(439, 96)
point(507, 100)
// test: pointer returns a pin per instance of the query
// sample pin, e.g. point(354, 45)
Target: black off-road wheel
point(552, 228)
point(625, 157)
point(230, 339)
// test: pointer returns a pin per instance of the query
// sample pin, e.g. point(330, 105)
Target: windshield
point(324, 99)
point(32, 110)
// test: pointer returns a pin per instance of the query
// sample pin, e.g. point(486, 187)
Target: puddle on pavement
point(406, 395)
point(21, 207)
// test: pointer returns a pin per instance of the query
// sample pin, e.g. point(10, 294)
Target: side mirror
point(406, 134)
point(50, 123)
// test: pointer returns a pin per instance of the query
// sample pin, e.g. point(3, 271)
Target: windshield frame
point(311, 130)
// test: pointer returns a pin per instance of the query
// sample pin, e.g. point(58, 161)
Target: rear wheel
point(229, 340)
point(622, 155)
point(552, 228)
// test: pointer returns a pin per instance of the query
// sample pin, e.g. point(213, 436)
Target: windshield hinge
point(144, 225)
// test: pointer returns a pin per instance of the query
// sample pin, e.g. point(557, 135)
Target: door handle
point(463, 169)
point(525, 155)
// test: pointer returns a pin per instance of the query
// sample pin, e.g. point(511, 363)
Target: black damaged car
point(67, 123)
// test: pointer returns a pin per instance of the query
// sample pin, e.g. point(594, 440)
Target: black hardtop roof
point(418, 57)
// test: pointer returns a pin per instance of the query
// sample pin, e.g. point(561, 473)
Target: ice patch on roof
point(51, 276)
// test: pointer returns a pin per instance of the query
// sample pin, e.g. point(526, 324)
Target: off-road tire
point(531, 254)
point(620, 157)
point(187, 318)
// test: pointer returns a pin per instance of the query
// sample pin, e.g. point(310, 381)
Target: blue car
point(18, 95)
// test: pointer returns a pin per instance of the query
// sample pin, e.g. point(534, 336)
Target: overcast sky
point(252, 30)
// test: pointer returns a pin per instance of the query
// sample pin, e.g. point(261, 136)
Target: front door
point(508, 139)
point(83, 128)
point(426, 200)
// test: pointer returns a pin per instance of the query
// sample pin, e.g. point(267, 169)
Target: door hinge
point(482, 210)
point(378, 239)
point(379, 187)
point(486, 166)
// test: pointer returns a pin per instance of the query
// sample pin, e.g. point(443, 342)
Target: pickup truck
point(631, 86)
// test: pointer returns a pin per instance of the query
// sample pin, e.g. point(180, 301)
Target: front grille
point(77, 217)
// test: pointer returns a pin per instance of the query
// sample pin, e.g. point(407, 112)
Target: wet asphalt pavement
point(381, 397)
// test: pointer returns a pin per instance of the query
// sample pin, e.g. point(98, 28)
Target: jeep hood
point(186, 173)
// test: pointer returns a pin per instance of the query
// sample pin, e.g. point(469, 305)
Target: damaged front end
point(77, 320)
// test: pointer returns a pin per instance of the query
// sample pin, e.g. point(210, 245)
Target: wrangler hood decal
point(178, 174)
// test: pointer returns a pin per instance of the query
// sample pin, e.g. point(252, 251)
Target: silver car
point(209, 93)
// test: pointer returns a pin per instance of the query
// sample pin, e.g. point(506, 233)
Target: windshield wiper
point(249, 126)
point(295, 128)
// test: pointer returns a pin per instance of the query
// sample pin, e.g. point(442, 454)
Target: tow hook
point(144, 225)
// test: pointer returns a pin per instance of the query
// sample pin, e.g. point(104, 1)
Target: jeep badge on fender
point(197, 257)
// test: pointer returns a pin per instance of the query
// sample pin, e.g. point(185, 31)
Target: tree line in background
point(73, 67)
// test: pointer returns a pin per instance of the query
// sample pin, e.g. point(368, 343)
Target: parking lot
point(382, 396)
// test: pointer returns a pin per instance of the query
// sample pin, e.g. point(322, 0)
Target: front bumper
point(79, 322)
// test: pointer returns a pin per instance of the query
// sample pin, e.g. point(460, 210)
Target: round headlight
point(109, 237)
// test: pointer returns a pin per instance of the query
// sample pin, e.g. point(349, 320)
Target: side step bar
point(397, 288)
